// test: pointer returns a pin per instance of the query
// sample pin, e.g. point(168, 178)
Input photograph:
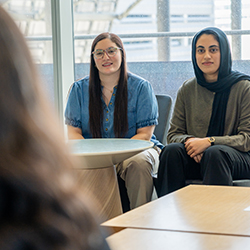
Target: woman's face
point(107, 65)
point(208, 57)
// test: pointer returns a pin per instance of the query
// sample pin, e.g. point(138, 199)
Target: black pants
point(220, 165)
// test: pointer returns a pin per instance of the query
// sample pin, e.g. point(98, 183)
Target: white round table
point(97, 171)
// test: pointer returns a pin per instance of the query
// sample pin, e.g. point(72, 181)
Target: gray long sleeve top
point(193, 109)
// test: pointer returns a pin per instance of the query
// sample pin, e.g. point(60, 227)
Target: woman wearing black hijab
point(209, 136)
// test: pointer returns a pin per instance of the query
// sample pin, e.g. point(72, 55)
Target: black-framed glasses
point(99, 53)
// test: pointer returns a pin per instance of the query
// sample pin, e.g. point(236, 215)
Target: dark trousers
point(220, 165)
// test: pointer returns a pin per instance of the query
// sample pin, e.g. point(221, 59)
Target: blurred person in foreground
point(40, 206)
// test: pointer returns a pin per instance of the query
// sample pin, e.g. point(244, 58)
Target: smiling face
point(208, 57)
point(108, 66)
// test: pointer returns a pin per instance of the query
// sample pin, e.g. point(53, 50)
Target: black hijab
point(226, 79)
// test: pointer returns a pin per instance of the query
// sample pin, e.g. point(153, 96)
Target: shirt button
point(107, 119)
point(111, 103)
point(106, 129)
point(113, 94)
point(107, 111)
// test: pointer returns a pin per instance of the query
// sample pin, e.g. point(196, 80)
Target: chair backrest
point(164, 107)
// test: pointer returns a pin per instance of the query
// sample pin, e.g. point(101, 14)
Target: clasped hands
point(196, 146)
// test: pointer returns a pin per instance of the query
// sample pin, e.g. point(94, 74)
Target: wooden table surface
point(195, 208)
point(143, 239)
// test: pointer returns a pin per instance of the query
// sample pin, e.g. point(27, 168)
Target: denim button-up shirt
point(142, 108)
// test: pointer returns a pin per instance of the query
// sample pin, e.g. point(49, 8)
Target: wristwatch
point(211, 140)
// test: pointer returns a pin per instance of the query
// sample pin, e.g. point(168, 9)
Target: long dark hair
point(95, 93)
point(41, 206)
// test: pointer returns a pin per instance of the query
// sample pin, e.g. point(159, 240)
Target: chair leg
point(154, 195)
point(155, 184)
point(123, 195)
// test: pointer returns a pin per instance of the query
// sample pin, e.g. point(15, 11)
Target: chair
point(239, 183)
point(242, 183)
point(164, 109)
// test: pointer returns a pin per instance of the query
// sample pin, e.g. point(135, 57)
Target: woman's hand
point(196, 146)
point(144, 133)
point(197, 158)
point(74, 133)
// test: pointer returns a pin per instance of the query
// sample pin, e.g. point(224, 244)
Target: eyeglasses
point(99, 53)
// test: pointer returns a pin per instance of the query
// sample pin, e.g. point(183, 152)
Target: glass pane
point(151, 16)
point(33, 17)
point(138, 23)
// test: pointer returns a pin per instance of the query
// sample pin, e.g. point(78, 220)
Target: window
point(138, 22)
point(180, 18)
point(33, 17)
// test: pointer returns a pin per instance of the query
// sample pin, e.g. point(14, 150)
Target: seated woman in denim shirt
point(112, 103)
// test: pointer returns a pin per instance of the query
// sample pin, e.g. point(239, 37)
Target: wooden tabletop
point(141, 239)
point(195, 208)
